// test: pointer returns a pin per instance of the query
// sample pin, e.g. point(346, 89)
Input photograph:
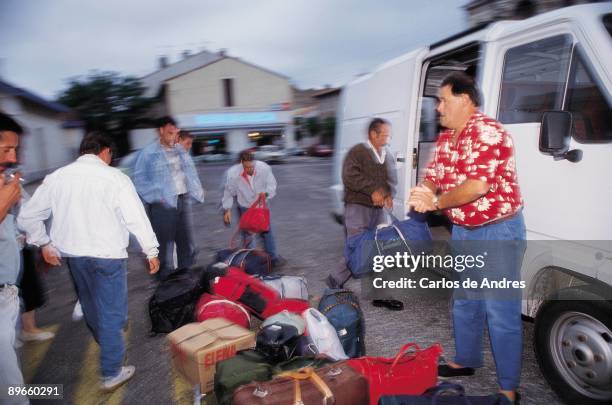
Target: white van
point(559, 63)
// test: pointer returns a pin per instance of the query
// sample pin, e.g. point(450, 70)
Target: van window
point(585, 100)
point(465, 59)
point(534, 79)
point(607, 20)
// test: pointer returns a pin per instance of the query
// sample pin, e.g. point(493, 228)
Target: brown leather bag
point(337, 384)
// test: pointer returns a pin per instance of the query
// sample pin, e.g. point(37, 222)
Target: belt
point(496, 221)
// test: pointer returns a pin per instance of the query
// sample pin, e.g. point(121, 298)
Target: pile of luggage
point(298, 354)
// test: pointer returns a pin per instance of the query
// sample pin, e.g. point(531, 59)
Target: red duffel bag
point(292, 305)
point(256, 219)
point(212, 306)
point(411, 372)
point(246, 290)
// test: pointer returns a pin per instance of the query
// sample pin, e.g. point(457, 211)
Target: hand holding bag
point(412, 371)
point(256, 219)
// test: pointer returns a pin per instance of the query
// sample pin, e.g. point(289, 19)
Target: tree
point(329, 130)
point(109, 103)
point(313, 125)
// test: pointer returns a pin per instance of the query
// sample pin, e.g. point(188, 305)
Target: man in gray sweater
point(369, 178)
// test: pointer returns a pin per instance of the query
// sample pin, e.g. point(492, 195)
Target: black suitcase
point(173, 303)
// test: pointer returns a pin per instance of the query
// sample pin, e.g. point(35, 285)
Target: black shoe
point(393, 305)
point(278, 262)
point(444, 370)
point(332, 283)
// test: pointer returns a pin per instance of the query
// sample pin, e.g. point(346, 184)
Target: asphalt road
point(312, 243)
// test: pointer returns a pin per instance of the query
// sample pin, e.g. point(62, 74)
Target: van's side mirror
point(555, 133)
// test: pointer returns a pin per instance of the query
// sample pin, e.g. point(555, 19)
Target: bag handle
point(402, 353)
point(260, 202)
point(231, 257)
point(399, 232)
point(443, 387)
point(307, 373)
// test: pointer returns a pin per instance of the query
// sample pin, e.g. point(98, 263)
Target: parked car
point(271, 154)
point(320, 150)
point(296, 151)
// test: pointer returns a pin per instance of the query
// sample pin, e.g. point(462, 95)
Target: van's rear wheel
point(573, 343)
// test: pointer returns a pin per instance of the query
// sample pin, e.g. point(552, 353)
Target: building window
point(228, 92)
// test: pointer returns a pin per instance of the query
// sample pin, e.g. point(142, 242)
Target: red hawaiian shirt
point(483, 151)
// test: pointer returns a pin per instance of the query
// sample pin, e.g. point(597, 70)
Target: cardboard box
point(197, 347)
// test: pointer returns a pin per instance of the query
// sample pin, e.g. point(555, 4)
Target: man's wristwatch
point(435, 202)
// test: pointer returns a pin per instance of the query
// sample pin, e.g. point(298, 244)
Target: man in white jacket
point(94, 208)
point(247, 181)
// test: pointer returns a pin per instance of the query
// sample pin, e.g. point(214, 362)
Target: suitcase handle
point(307, 373)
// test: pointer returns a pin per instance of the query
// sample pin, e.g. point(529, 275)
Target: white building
point(50, 140)
point(227, 103)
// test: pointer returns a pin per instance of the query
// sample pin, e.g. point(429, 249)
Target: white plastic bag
point(323, 335)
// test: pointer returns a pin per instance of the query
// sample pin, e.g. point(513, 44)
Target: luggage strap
point(308, 373)
point(232, 303)
point(341, 302)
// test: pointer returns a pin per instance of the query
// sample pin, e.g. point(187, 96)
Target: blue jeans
point(102, 289)
point(268, 238)
point(10, 373)
point(502, 316)
point(173, 226)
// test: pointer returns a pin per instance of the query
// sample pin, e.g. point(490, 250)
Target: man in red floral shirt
point(472, 179)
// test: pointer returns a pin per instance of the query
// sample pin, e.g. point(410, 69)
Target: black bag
point(439, 395)
point(251, 261)
point(277, 342)
point(208, 275)
point(173, 303)
point(341, 307)
point(305, 347)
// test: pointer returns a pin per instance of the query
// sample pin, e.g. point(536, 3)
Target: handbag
point(256, 218)
point(411, 371)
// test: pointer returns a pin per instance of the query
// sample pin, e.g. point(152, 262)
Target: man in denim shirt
point(166, 179)
point(10, 255)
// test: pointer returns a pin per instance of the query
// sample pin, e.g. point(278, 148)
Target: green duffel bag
point(246, 366)
point(301, 362)
point(250, 365)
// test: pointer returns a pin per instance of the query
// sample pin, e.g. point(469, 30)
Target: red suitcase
point(213, 306)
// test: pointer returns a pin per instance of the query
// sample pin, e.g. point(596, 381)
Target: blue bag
point(438, 395)
point(411, 234)
point(251, 261)
point(341, 307)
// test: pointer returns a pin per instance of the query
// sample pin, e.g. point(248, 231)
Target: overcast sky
point(314, 42)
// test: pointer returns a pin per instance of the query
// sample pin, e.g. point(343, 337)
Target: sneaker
point(112, 383)
point(77, 313)
point(36, 336)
